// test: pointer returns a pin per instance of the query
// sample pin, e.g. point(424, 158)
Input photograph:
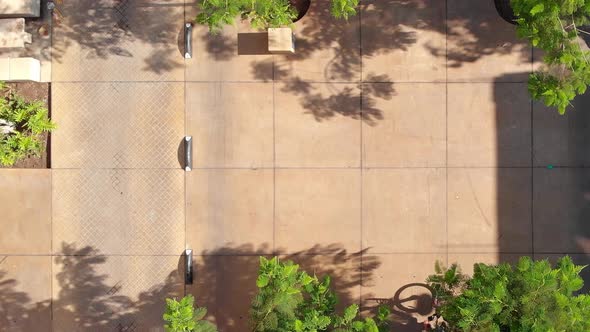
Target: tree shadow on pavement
point(108, 28)
point(225, 279)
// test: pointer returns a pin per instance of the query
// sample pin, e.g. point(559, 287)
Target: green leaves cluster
point(529, 297)
point(344, 8)
point(28, 121)
point(290, 300)
point(182, 316)
point(553, 26)
point(262, 14)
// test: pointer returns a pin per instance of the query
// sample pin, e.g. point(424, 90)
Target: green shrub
point(26, 121)
point(291, 300)
point(344, 8)
point(262, 14)
point(182, 316)
point(553, 26)
point(531, 296)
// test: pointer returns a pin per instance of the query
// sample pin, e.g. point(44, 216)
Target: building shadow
point(558, 183)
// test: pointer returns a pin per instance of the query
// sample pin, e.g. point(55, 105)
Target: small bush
point(182, 316)
point(22, 123)
point(531, 296)
point(291, 300)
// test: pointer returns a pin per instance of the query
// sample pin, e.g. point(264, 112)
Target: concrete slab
point(561, 199)
point(399, 280)
point(231, 124)
point(120, 212)
point(127, 40)
point(328, 199)
point(327, 49)
point(321, 129)
point(217, 58)
point(562, 140)
point(412, 132)
point(224, 207)
point(404, 41)
point(115, 293)
point(489, 210)
point(226, 287)
point(489, 125)
point(25, 201)
point(404, 210)
point(25, 290)
point(482, 47)
point(117, 125)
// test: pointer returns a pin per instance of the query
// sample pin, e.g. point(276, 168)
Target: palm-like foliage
point(27, 122)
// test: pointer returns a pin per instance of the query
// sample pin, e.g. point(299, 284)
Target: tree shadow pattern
point(108, 27)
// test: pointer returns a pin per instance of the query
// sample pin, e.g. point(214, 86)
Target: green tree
point(554, 27)
point(182, 316)
point(21, 125)
point(290, 300)
point(529, 297)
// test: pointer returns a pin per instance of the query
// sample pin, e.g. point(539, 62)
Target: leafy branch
point(553, 26)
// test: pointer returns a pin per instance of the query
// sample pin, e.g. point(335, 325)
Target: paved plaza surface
point(402, 136)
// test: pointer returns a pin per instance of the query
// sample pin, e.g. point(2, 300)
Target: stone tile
point(404, 40)
point(117, 125)
point(25, 202)
point(112, 293)
point(562, 139)
point(133, 40)
point(231, 124)
point(317, 207)
point(561, 201)
point(489, 210)
point(320, 128)
point(229, 208)
point(326, 49)
point(120, 212)
point(467, 261)
point(404, 210)
point(412, 131)
point(25, 293)
point(225, 285)
point(489, 125)
point(220, 57)
point(399, 280)
point(482, 47)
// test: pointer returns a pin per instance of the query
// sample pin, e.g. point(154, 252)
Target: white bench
point(20, 8)
point(281, 40)
point(20, 69)
point(12, 33)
